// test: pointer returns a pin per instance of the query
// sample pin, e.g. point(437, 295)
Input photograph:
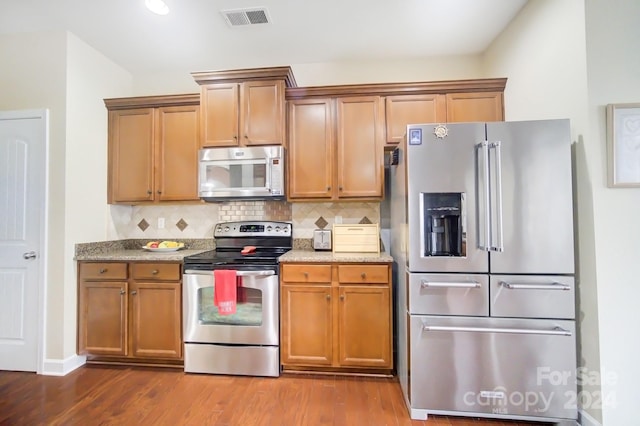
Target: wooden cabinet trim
point(272, 73)
point(388, 89)
point(152, 101)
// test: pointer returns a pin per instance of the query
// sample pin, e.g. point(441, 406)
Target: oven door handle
point(238, 273)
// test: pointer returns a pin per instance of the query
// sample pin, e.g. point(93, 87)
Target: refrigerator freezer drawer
point(532, 296)
point(449, 294)
point(493, 367)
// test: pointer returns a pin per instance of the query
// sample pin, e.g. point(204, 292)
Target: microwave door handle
point(485, 216)
point(496, 146)
point(268, 171)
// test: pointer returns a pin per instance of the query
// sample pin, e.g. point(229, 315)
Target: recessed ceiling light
point(157, 6)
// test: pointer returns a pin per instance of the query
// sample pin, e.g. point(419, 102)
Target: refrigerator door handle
point(530, 286)
point(556, 331)
point(498, 168)
point(485, 244)
point(448, 284)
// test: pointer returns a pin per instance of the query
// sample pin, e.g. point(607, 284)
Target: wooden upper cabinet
point(220, 114)
point(360, 147)
point(336, 148)
point(243, 107)
point(403, 110)
point(153, 149)
point(475, 106)
point(311, 149)
point(177, 154)
point(131, 150)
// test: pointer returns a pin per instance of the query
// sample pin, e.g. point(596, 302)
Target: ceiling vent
point(251, 16)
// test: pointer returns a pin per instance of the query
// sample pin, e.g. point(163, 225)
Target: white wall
point(90, 77)
point(613, 43)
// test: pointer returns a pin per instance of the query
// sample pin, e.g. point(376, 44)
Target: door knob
point(29, 255)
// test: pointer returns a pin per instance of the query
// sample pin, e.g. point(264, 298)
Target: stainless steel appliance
point(322, 239)
point(246, 342)
point(241, 173)
point(482, 233)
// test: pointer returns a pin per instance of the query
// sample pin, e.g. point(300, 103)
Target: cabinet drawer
point(306, 273)
point(155, 271)
point(363, 274)
point(103, 271)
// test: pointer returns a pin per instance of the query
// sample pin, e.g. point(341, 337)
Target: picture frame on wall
point(623, 145)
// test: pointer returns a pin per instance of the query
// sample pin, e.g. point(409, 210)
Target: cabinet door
point(360, 147)
point(478, 106)
point(131, 136)
point(102, 318)
point(220, 114)
point(310, 153)
point(177, 154)
point(306, 325)
point(403, 110)
point(262, 117)
point(364, 328)
point(155, 320)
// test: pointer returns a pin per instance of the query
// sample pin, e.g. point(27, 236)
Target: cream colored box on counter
point(357, 238)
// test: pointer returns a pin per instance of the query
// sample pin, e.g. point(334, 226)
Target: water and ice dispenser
point(443, 224)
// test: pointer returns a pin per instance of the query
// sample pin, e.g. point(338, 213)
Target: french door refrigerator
point(483, 238)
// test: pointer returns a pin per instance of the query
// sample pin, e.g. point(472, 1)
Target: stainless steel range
point(245, 342)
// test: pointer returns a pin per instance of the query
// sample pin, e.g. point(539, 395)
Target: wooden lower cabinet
point(130, 312)
point(336, 317)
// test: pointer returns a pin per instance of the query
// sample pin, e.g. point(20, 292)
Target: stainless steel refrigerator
point(482, 235)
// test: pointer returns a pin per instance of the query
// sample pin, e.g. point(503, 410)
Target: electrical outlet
point(338, 220)
point(161, 223)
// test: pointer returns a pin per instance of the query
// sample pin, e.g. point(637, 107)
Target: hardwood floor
point(104, 395)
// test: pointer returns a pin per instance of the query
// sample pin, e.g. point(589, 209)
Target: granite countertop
point(328, 256)
point(131, 250)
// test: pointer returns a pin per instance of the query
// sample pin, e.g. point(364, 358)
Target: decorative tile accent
point(181, 224)
point(321, 222)
point(305, 215)
point(143, 224)
point(364, 220)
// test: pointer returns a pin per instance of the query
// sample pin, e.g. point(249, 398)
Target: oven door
point(255, 321)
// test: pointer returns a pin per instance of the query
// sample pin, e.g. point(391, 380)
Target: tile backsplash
point(198, 220)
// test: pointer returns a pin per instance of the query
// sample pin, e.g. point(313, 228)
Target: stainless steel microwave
point(253, 173)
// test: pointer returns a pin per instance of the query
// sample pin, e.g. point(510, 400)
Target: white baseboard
point(585, 419)
point(62, 367)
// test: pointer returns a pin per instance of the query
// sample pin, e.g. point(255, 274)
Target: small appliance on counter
point(322, 239)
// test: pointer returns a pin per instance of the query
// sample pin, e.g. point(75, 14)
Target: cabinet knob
point(328, 297)
point(342, 297)
point(246, 137)
point(306, 275)
point(149, 192)
point(159, 191)
point(103, 270)
point(122, 291)
point(133, 293)
point(339, 188)
point(155, 272)
point(328, 188)
point(363, 275)
point(235, 137)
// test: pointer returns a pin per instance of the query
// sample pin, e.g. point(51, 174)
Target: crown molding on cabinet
point(388, 89)
point(152, 101)
point(250, 74)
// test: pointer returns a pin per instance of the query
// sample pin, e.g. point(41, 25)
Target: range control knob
point(277, 229)
point(269, 228)
point(226, 229)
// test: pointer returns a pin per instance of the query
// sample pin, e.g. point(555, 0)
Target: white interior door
point(23, 144)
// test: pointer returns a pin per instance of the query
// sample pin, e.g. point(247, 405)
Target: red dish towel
point(225, 291)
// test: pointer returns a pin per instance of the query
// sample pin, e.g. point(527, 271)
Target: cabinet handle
point(306, 275)
point(246, 137)
point(340, 188)
point(133, 293)
point(328, 297)
point(155, 272)
point(103, 270)
point(328, 188)
point(363, 275)
point(149, 192)
point(122, 291)
point(159, 192)
point(235, 137)
point(342, 297)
